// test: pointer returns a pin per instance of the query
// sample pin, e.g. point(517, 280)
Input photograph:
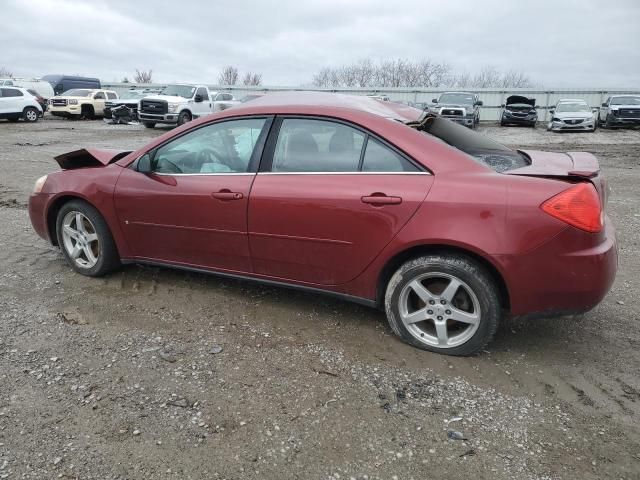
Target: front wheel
point(30, 114)
point(184, 117)
point(85, 239)
point(443, 303)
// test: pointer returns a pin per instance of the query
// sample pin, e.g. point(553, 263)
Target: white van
point(43, 87)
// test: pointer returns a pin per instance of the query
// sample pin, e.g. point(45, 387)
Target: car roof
point(302, 101)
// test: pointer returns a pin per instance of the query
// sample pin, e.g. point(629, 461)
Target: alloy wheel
point(439, 310)
point(80, 239)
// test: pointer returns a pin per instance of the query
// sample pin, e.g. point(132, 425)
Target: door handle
point(227, 195)
point(381, 199)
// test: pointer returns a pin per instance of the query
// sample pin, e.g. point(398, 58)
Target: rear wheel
point(445, 304)
point(85, 239)
point(30, 114)
point(149, 124)
point(184, 117)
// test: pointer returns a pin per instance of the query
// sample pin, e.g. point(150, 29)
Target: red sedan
point(374, 202)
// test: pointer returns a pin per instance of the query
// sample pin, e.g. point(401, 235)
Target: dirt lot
point(122, 377)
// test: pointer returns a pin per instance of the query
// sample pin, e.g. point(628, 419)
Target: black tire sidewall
point(466, 270)
point(184, 117)
point(108, 258)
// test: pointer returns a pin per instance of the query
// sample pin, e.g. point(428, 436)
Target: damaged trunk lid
point(89, 157)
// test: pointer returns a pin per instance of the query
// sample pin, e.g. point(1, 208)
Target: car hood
point(127, 101)
point(573, 115)
point(514, 99)
point(453, 105)
point(66, 97)
point(616, 107)
point(89, 157)
point(167, 98)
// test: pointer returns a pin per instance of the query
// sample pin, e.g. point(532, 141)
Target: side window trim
point(267, 159)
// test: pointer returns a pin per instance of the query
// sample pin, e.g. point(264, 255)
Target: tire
point(149, 124)
point(104, 255)
point(30, 114)
point(184, 117)
point(607, 122)
point(87, 112)
point(475, 300)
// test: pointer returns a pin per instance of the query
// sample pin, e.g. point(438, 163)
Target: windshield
point(625, 101)
point(184, 91)
point(456, 98)
point(573, 107)
point(77, 92)
point(129, 94)
point(482, 149)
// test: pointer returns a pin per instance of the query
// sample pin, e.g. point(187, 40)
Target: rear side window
point(317, 146)
point(11, 92)
point(380, 158)
point(99, 96)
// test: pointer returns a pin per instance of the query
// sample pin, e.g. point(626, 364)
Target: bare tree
point(5, 73)
point(143, 76)
point(228, 76)
point(252, 79)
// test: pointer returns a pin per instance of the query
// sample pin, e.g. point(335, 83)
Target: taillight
point(578, 206)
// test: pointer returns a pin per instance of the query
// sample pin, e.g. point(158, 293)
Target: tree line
point(394, 73)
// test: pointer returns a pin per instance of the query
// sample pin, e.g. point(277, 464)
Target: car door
point(191, 206)
point(12, 100)
point(331, 197)
point(98, 102)
point(204, 107)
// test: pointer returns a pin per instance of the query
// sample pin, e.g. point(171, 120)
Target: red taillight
point(578, 206)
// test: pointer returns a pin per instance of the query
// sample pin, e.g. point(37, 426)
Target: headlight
point(173, 107)
point(73, 102)
point(37, 188)
point(555, 119)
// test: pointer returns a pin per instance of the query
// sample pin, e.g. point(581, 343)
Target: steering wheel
point(209, 155)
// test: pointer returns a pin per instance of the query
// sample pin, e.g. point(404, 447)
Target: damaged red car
point(446, 230)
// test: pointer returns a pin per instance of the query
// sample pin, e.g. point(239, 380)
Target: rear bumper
point(38, 203)
point(563, 276)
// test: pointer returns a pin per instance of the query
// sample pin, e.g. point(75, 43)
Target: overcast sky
point(582, 43)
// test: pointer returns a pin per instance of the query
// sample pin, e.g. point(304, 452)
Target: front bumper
point(571, 273)
point(38, 203)
point(168, 118)
point(586, 125)
point(613, 120)
point(68, 111)
point(512, 120)
point(466, 121)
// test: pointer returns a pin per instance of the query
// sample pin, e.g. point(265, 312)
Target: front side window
point(224, 147)
point(306, 145)
point(111, 95)
point(99, 96)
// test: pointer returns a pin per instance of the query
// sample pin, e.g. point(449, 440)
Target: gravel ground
point(151, 373)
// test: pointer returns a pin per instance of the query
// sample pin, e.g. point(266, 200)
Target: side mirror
point(435, 100)
point(479, 103)
point(144, 164)
point(503, 105)
point(198, 98)
point(604, 104)
point(552, 111)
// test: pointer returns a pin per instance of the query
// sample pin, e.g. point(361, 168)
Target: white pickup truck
point(180, 103)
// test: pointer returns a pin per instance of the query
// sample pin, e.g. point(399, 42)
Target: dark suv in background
point(461, 107)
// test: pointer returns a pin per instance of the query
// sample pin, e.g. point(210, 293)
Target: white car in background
point(573, 114)
point(17, 103)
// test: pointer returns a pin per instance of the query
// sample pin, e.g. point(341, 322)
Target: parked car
point(374, 202)
point(131, 99)
point(17, 103)
point(519, 110)
point(81, 103)
point(40, 99)
point(572, 114)
point(63, 83)
point(460, 107)
point(42, 87)
point(619, 111)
